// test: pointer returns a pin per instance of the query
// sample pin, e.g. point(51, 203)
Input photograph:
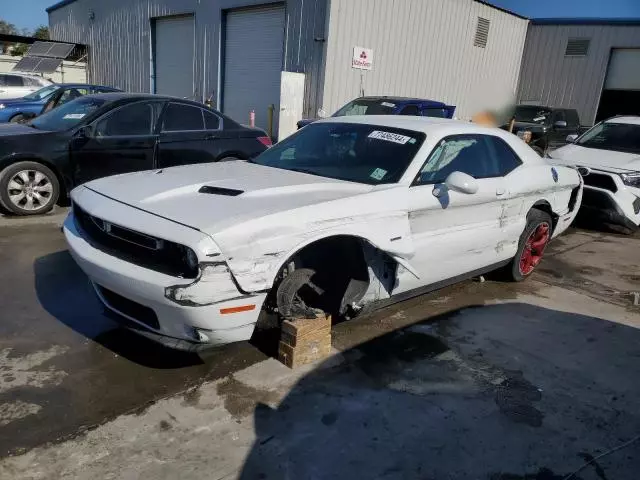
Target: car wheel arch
point(545, 206)
point(357, 266)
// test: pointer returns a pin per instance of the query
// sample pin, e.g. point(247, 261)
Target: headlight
point(631, 179)
point(1, 106)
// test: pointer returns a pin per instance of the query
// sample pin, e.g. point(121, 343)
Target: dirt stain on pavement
point(240, 400)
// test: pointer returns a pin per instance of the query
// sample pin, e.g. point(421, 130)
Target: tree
point(41, 33)
point(8, 29)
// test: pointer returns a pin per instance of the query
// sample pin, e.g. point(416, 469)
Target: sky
point(31, 13)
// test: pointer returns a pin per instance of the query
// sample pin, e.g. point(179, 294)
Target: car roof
point(115, 96)
point(426, 125)
point(18, 74)
point(628, 119)
point(72, 85)
point(403, 100)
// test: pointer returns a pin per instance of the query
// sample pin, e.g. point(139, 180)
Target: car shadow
point(500, 392)
point(65, 292)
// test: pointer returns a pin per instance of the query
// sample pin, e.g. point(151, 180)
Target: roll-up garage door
point(624, 70)
point(621, 92)
point(173, 56)
point(254, 49)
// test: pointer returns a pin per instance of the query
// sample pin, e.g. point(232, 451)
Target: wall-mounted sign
point(362, 58)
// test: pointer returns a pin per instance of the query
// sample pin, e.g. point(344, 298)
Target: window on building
point(577, 47)
point(181, 117)
point(482, 33)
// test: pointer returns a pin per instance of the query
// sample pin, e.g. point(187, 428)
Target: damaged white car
point(344, 215)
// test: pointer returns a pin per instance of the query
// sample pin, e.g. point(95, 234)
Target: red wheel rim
point(534, 248)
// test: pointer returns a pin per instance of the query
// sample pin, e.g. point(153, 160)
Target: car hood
point(575, 155)
point(214, 197)
point(17, 129)
point(19, 102)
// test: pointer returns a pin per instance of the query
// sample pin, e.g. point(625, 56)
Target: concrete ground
point(482, 380)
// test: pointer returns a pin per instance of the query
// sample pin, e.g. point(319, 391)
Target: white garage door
point(624, 70)
point(254, 49)
point(174, 56)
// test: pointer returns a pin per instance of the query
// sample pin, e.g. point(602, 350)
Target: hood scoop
point(228, 192)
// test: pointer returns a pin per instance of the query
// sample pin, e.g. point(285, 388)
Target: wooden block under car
point(304, 341)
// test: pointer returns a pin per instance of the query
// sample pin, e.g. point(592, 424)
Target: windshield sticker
point(387, 104)
point(389, 137)
point(73, 116)
point(378, 174)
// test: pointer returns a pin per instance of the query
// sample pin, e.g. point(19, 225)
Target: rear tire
point(28, 188)
point(531, 247)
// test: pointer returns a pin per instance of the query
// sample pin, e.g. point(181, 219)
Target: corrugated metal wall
point(549, 78)
point(119, 35)
point(424, 48)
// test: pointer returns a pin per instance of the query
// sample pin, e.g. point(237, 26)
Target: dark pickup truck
point(549, 126)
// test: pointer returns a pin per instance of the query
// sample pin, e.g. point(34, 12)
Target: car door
point(188, 134)
point(456, 233)
point(123, 140)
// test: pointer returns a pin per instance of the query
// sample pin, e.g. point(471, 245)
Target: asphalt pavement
point(480, 380)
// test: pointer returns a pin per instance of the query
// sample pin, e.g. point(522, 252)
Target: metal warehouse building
point(590, 65)
point(299, 55)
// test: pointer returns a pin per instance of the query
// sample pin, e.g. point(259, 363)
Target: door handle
point(500, 191)
point(210, 137)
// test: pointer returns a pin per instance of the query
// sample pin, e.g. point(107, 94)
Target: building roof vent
point(482, 33)
point(577, 47)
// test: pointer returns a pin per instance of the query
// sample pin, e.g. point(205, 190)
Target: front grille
point(130, 308)
point(600, 181)
point(135, 247)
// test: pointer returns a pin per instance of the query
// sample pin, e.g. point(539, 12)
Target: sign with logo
point(362, 58)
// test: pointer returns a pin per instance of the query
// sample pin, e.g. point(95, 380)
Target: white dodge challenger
point(344, 215)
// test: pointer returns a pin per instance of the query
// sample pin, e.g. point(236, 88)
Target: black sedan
point(100, 135)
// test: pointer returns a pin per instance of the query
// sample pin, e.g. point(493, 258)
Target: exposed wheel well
point(64, 197)
point(545, 207)
point(340, 266)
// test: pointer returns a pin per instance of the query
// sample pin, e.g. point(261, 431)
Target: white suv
point(608, 157)
point(17, 85)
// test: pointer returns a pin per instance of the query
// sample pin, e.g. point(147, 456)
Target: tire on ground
point(535, 218)
point(7, 174)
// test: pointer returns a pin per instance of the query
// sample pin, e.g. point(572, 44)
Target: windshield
point(68, 115)
point(353, 152)
point(619, 137)
point(366, 107)
point(533, 115)
point(42, 93)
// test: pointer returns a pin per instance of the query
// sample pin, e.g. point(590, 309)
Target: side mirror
point(572, 138)
point(461, 182)
point(85, 131)
point(560, 124)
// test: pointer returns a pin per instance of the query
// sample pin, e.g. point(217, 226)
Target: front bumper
point(606, 207)
point(139, 297)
